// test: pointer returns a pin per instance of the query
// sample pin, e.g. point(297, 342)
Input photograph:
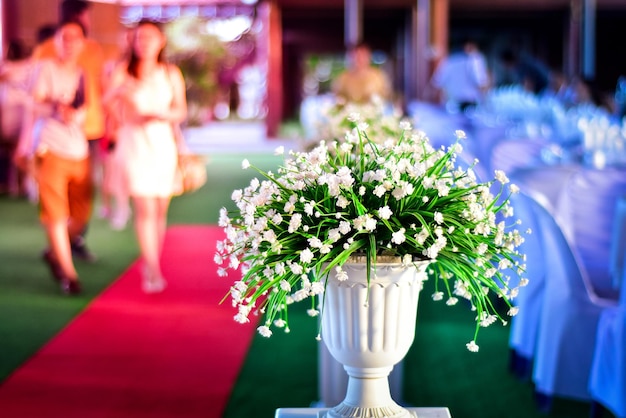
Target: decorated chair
point(587, 208)
point(607, 384)
point(618, 245)
point(525, 325)
point(568, 322)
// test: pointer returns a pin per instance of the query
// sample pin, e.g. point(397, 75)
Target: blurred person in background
point(525, 70)
point(13, 95)
point(115, 202)
point(362, 82)
point(16, 76)
point(149, 96)
point(91, 60)
point(462, 78)
point(60, 151)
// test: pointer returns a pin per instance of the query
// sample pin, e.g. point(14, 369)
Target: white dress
point(148, 150)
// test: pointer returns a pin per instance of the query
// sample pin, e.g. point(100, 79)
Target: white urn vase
point(370, 329)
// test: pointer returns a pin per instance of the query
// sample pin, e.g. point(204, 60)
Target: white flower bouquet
point(400, 197)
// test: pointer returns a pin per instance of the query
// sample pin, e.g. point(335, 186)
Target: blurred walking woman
point(60, 151)
point(149, 95)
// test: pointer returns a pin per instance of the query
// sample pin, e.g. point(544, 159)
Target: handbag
point(191, 171)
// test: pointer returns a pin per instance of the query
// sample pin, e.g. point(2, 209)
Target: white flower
point(317, 288)
point(315, 242)
point(501, 177)
point(284, 285)
point(398, 237)
point(405, 125)
point(296, 269)
point(342, 202)
point(242, 319)
point(264, 331)
point(237, 195)
point(354, 117)
point(340, 274)
point(471, 346)
point(308, 208)
point(306, 256)
point(402, 190)
point(245, 164)
point(334, 235)
point(312, 312)
point(344, 227)
point(380, 190)
point(487, 320)
point(279, 150)
point(460, 134)
point(438, 216)
point(385, 212)
point(365, 222)
point(294, 223)
point(437, 296)
point(280, 269)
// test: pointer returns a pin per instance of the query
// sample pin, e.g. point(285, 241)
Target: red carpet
point(176, 354)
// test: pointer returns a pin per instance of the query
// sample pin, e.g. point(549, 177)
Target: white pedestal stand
point(333, 380)
point(320, 412)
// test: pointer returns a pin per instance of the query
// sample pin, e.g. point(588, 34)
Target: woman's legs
point(65, 192)
point(150, 224)
point(59, 241)
point(162, 207)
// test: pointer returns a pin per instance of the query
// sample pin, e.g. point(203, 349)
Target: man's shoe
point(53, 265)
point(70, 287)
point(80, 250)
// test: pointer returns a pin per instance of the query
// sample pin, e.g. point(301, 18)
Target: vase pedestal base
point(321, 412)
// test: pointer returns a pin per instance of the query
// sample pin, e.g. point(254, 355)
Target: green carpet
point(280, 371)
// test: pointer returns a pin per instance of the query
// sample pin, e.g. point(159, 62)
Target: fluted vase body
point(369, 329)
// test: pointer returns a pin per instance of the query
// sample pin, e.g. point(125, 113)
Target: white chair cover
point(544, 184)
point(569, 318)
point(618, 245)
point(587, 208)
point(607, 383)
point(525, 325)
point(511, 154)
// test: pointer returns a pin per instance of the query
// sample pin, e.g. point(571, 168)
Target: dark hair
point(15, 50)
point(508, 56)
point(45, 32)
point(71, 9)
point(133, 60)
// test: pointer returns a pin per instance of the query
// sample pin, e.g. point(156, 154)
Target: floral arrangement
point(361, 197)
